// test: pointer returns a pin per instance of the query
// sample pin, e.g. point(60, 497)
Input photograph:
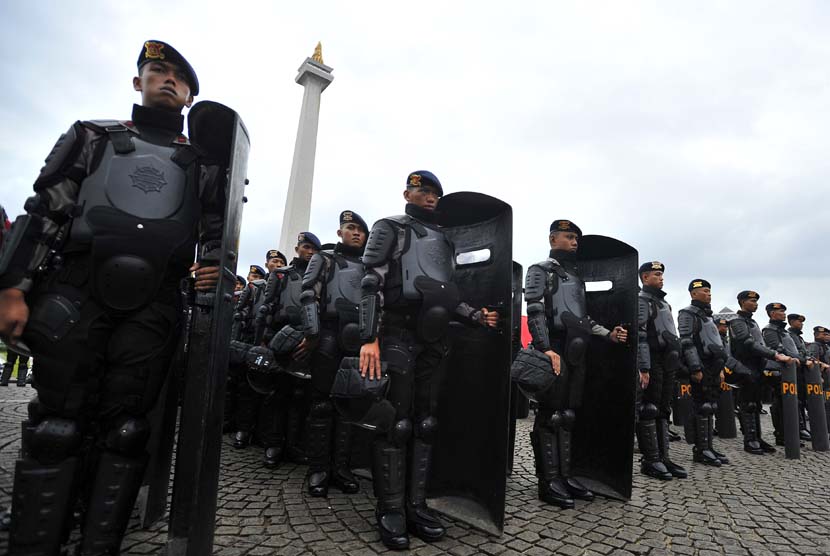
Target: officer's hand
point(722, 377)
point(809, 363)
point(697, 376)
point(555, 361)
point(370, 360)
point(619, 335)
point(206, 278)
point(644, 376)
point(303, 350)
point(14, 314)
point(489, 318)
point(781, 358)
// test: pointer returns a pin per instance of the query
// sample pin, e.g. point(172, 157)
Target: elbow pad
point(310, 313)
point(18, 249)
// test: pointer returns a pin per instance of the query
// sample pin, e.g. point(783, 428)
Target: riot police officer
point(752, 357)
point(331, 296)
point(407, 302)
point(705, 355)
point(777, 338)
point(274, 260)
point(819, 350)
point(284, 410)
point(112, 228)
point(256, 272)
point(560, 328)
point(658, 359)
point(796, 323)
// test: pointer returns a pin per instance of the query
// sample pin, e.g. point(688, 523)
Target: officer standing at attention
point(777, 338)
point(658, 359)
point(408, 299)
point(796, 322)
point(750, 351)
point(331, 297)
point(556, 309)
point(112, 229)
point(705, 356)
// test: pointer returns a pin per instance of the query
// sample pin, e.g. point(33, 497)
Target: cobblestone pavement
point(756, 505)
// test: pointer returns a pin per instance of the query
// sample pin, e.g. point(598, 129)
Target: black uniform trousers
point(94, 364)
point(660, 389)
point(8, 368)
point(708, 389)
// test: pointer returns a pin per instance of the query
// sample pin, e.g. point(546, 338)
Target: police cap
point(565, 226)
point(422, 178)
point(308, 237)
point(274, 254)
point(160, 51)
point(820, 330)
point(699, 283)
point(748, 294)
point(795, 316)
point(349, 216)
point(649, 266)
point(256, 269)
point(775, 307)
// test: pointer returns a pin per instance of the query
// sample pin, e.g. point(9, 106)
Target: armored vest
point(662, 321)
point(568, 296)
point(784, 339)
point(343, 288)
point(289, 301)
point(427, 253)
point(139, 210)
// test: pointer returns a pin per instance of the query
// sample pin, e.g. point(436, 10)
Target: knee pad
point(576, 350)
point(401, 432)
point(129, 438)
point(54, 439)
point(320, 409)
point(648, 411)
point(426, 429)
point(568, 419)
point(706, 409)
point(553, 421)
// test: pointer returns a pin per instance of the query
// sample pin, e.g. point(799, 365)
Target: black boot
point(803, 433)
point(388, 476)
point(663, 440)
point(702, 454)
point(765, 446)
point(23, 373)
point(552, 489)
point(749, 431)
point(272, 456)
point(650, 463)
point(420, 520)
point(42, 501)
point(7, 373)
point(318, 450)
point(241, 439)
point(577, 489)
point(721, 457)
point(342, 476)
point(777, 425)
point(111, 502)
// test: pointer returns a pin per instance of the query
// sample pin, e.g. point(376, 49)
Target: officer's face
point(425, 196)
point(722, 328)
point(653, 279)
point(564, 241)
point(704, 295)
point(274, 263)
point(352, 235)
point(253, 276)
point(163, 85)
point(749, 305)
point(239, 286)
point(779, 314)
point(796, 324)
point(305, 251)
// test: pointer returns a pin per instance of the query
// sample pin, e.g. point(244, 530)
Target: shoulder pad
point(536, 281)
point(685, 322)
point(380, 244)
point(61, 158)
point(103, 126)
point(401, 219)
point(738, 329)
point(314, 271)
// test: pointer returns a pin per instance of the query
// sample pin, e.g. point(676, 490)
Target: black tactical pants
point(96, 364)
point(8, 368)
point(750, 390)
point(660, 386)
point(708, 389)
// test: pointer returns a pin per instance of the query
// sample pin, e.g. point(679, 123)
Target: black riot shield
point(726, 412)
point(220, 133)
point(518, 401)
point(789, 411)
point(603, 439)
point(815, 408)
point(473, 391)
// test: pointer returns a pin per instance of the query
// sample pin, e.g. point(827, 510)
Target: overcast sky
point(696, 131)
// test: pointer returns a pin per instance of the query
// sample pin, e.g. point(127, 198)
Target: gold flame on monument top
point(318, 53)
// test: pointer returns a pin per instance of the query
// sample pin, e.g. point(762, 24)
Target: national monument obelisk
point(314, 76)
